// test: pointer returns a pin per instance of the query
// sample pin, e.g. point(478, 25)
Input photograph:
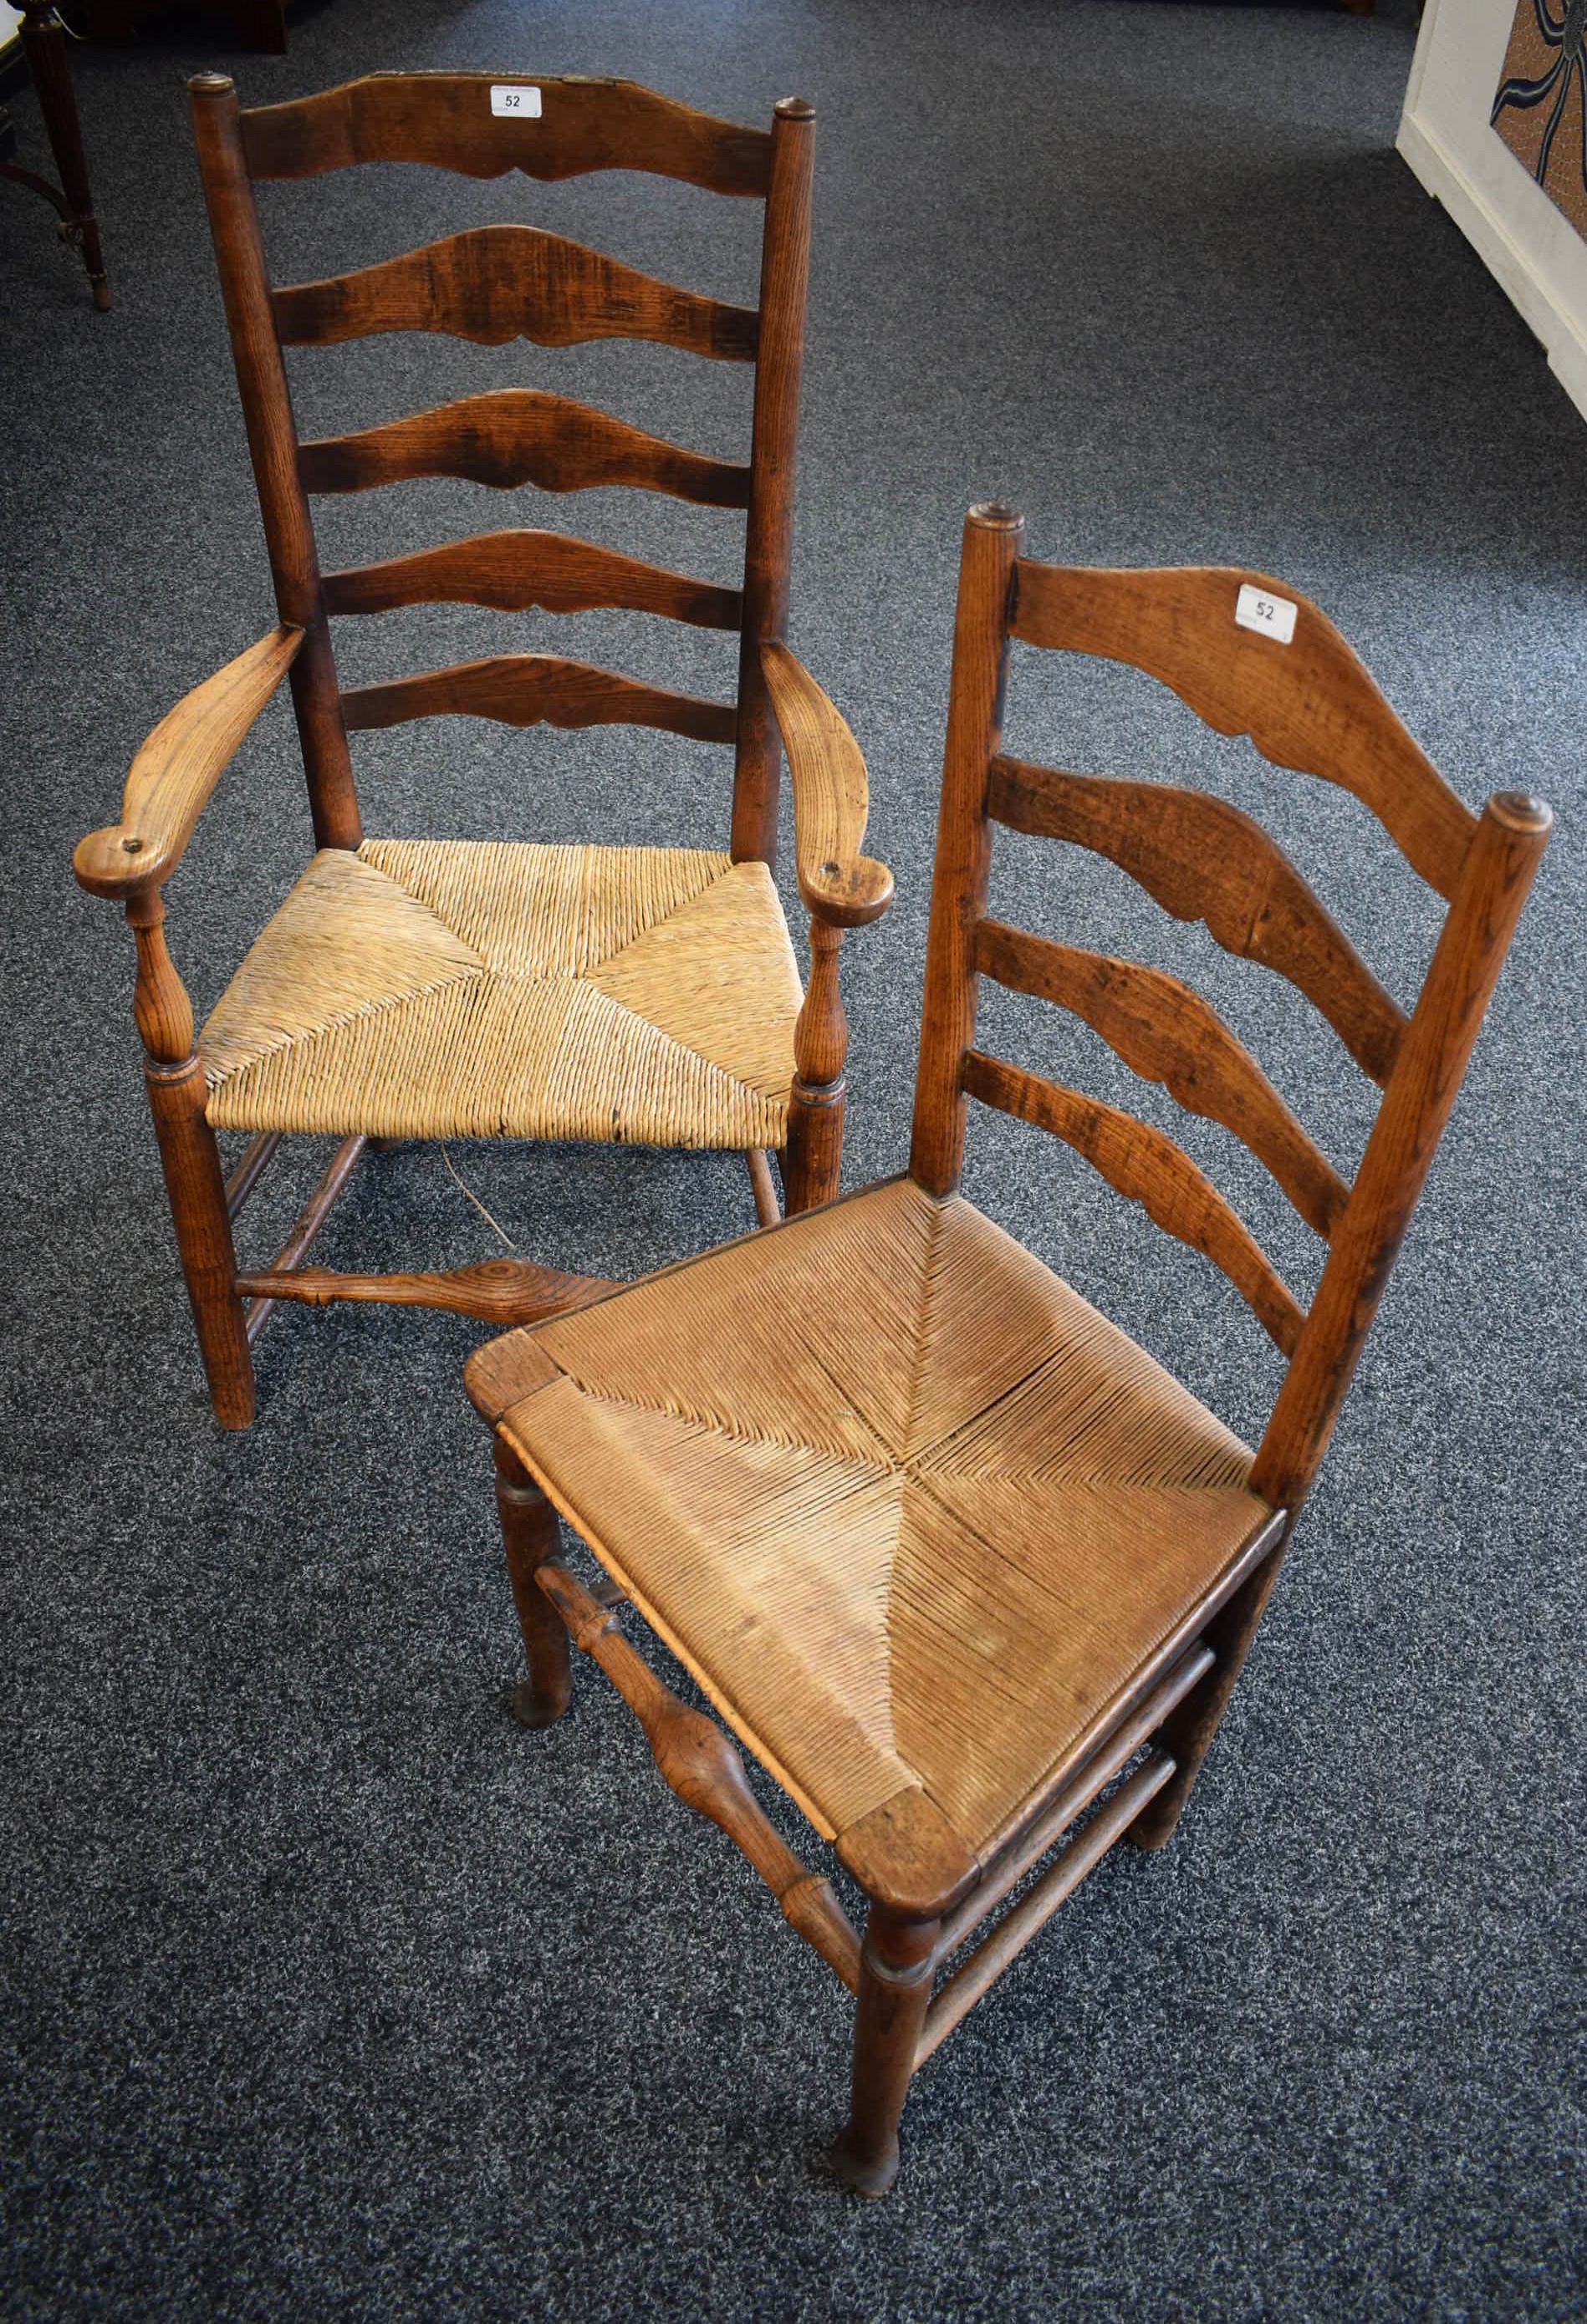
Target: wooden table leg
point(43, 38)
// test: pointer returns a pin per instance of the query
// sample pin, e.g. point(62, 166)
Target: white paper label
point(1257, 609)
point(507, 97)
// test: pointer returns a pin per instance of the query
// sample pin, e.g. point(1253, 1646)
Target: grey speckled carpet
point(327, 1992)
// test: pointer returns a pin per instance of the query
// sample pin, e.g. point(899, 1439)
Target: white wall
point(8, 21)
point(1530, 247)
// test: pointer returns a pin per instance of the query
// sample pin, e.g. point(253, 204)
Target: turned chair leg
point(895, 1987)
point(528, 1532)
point(813, 1162)
point(193, 1180)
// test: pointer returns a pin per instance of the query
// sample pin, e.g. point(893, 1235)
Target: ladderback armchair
point(966, 1570)
point(419, 988)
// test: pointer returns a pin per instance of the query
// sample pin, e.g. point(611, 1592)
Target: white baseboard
point(1562, 337)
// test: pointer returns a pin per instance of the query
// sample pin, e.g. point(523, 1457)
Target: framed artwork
point(1540, 109)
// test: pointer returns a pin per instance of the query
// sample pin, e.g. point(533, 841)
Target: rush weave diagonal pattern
point(907, 1508)
point(475, 989)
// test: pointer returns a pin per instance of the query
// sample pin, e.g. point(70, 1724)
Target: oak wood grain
point(785, 269)
point(190, 1161)
point(445, 119)
point(272, 447)
point(831, 801)
point(505, 1291)
point(1138, 1161)
point(178, 767)
point(514, 436)
point(492, 283)
point(1511, 835)
point(962, 866)
point(1204, 860)
point(530, 689)
point(1166, 1032)
point(1309, 705)
point(517, 570)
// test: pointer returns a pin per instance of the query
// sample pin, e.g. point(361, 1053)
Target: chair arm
point(838, 884)
point(177, 769)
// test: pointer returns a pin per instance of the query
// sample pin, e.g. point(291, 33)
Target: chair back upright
point(494, 283)
point(1248, 656)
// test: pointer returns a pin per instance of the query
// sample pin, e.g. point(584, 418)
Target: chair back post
point(1504, 854)
point(785, 270)
point(273, 444)
point(990, 548)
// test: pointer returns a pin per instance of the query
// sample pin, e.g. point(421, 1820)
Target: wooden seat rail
point(1111, 1757)
point(958, 1995)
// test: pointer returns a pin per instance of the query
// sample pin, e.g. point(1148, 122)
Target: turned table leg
point(43, 38)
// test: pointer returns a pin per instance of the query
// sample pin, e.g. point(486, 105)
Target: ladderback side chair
point(419, 989)
point(971, 1574)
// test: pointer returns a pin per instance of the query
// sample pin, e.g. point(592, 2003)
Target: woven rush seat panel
point(474, 989)
point(908, 1508)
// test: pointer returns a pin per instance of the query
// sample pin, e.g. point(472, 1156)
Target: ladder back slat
point(513, 571)
point(1204, 860)
point(534, 689)
point(1146, 1168)
point(1307, 704)
point(1166, 1032)
point(494, 283)
point(520, 435)
point(449, 121)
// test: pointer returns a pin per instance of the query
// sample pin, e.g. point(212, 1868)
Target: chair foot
point(530, 1708)
point(895, 1987)
point(869, 2175)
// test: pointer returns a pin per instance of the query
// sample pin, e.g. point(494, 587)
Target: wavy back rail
point(516, 436)
point(492, 284)
point(484, 124)
point(535, 689)
point(1201, 859)
point(513, 571)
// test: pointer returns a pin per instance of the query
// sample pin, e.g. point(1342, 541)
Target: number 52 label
point(513, 97)
point(1260, 609)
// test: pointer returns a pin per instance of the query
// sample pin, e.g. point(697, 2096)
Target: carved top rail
point(492, 283)
point(1306, 701)
point(516, 436)
point(482, 125)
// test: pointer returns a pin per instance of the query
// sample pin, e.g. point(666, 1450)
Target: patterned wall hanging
point(1540, 110)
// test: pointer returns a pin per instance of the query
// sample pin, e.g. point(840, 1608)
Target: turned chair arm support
point(177, 769)
point(838, 884)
